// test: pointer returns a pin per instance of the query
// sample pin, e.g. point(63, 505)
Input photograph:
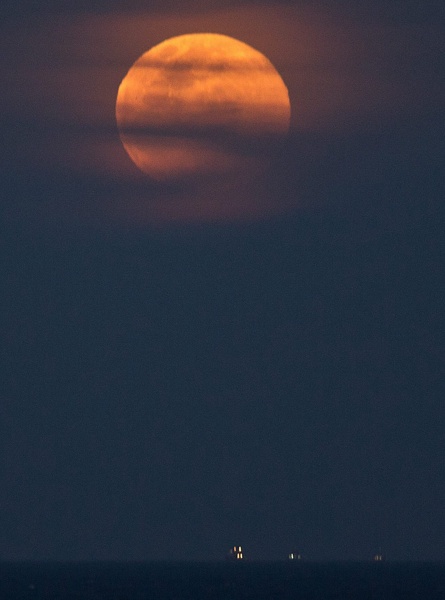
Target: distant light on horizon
point(236, 553)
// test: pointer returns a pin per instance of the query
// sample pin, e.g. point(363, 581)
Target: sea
point(222, 581)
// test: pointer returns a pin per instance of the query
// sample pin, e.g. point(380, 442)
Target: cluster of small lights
point(236, 552)
point(378, 558)
point(293, 556)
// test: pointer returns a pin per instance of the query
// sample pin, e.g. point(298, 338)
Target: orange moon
point(200, 104)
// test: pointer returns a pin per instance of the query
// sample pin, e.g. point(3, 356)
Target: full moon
point(200, 104)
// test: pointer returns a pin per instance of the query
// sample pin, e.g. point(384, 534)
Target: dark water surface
point(221, 581)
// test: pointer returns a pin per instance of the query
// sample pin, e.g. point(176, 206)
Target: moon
point(200, 104)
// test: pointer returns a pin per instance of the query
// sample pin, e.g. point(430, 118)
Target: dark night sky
point(176, 377)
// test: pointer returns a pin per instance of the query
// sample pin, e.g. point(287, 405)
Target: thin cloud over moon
point(343, 75)
point(182, 96)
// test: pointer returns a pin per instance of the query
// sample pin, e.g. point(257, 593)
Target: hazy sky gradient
point(257, 361)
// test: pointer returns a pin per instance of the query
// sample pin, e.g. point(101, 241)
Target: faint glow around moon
point(200, 104)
